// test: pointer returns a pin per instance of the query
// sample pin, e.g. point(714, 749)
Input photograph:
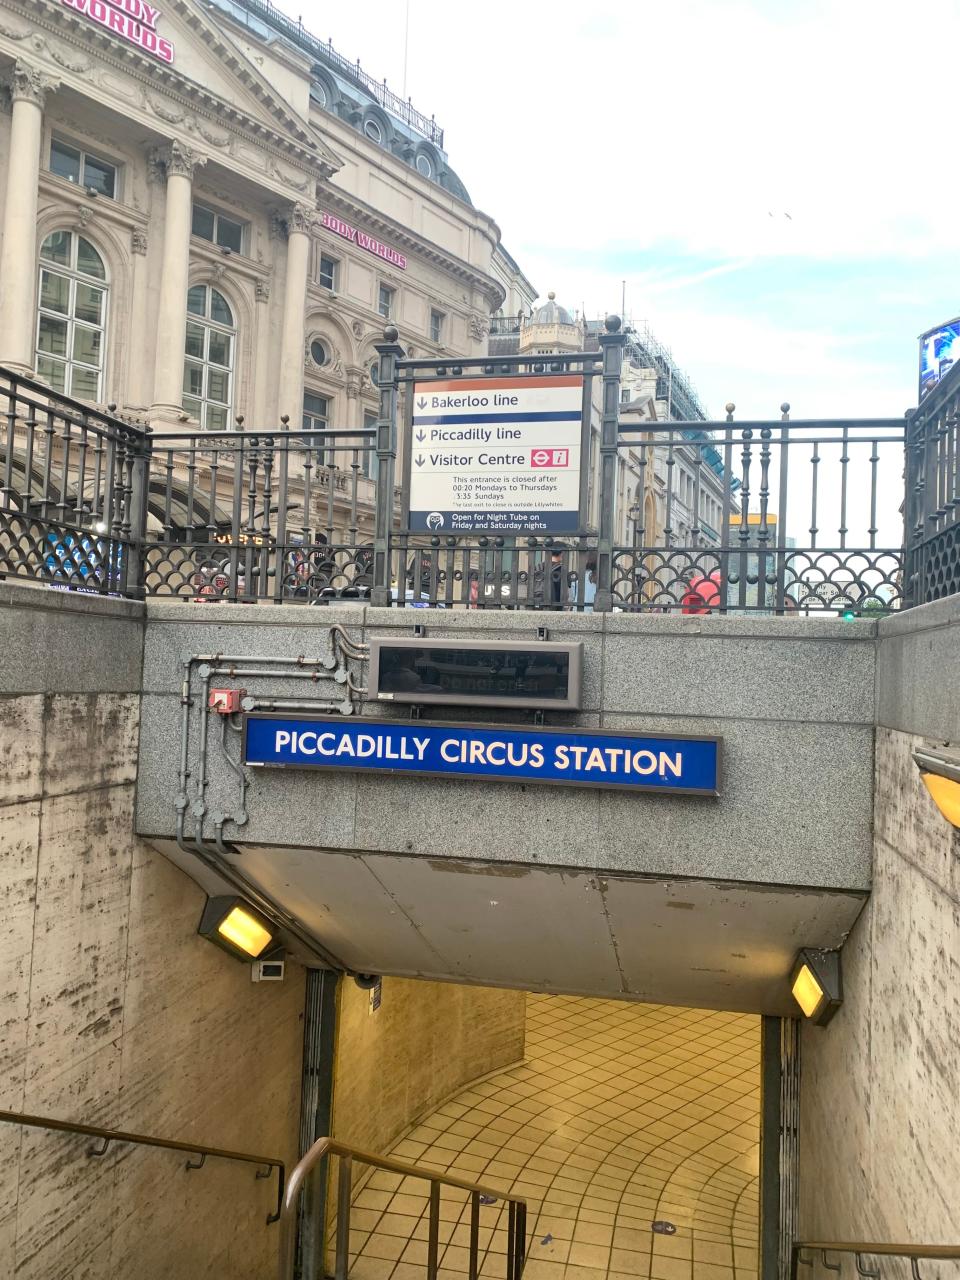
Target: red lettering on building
point(133, 20)
point(367, 242)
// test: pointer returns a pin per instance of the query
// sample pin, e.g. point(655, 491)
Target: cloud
point(667, 143)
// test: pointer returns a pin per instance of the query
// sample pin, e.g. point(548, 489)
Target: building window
point(373, 131)
point(385, 301)
point(316, 410)
point(319, 353)
point(436, 326)
point(208, 367)
point(328, 271)
point(217, 228)
point(87, 171)
point(423, 164)
point(72, 315)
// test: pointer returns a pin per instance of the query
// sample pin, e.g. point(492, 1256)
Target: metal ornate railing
point(479, 1195)
point(402, 108)
point(783, 516)
point(933, 494)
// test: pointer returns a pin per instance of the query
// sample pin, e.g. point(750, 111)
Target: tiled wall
point(424, 1042)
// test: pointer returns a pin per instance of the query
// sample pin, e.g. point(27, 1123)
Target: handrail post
point(433, 1239)
point(521, 1237)
point(474, 1234)
point(612, 343)
point(389, 352)
point(344, 1189)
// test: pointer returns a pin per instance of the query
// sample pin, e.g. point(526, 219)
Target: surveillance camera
point(366, 981)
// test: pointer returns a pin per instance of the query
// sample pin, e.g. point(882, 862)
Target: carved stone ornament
point(84, 214)
point(177, 158)
point(479, 328)
point(138, 240)
point(357, 328)
point(300, 218)
point(262, 290)
point(28, 84)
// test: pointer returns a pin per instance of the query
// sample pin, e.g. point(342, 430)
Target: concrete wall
point(425, 1042)
point(880, 1126)
point(112, 1010)
point(792, 698)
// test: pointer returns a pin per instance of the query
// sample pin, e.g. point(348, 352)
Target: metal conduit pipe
point(235, 672)
point(218, 659)
point(289, 704)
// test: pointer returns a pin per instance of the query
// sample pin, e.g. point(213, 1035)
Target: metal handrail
point(107, 1136)
point(516, 1222)
point(870, 1249)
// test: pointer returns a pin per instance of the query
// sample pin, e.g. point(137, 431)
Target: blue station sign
point(566, 757)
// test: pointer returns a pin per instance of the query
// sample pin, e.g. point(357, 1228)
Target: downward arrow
point(421, 403)
point(419, 461)
point(421, 436)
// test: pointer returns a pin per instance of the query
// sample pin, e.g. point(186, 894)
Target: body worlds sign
point(370, 243)
point(132, 20)
point(566, 756)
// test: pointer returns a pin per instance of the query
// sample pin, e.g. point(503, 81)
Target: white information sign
point(496, 455)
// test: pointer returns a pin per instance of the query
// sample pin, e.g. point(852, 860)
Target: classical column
point(18, 257)
point(290, 382)
point(177, 162)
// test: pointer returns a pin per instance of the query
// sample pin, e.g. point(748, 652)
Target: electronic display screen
point(939, 350)
point(467, 672)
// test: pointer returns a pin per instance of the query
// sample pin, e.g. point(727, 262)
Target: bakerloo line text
point(468, 751)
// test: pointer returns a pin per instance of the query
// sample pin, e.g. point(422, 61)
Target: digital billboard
point(939, 348)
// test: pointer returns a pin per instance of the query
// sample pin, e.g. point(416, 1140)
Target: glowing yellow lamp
point(815, 984)
point(807, 991)
point(946, 794)
point(236, 927)
point(245, 932)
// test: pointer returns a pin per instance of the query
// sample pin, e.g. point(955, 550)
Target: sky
point(766, 177)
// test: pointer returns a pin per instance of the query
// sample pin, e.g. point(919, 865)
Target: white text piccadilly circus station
point(132, 20)
point(553, 757)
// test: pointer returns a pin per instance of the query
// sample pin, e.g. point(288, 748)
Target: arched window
point(208, 368)
point(72, 315)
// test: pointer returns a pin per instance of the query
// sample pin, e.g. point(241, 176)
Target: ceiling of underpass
point(700, 943)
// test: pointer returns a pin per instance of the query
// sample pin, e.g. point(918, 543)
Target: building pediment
point(183, 64)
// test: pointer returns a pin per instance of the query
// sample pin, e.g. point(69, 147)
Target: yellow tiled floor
point(622, 1115)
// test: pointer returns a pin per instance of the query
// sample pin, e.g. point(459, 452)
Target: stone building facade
point(208, 214)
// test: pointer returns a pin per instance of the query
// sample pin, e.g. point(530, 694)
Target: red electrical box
point(225, 701)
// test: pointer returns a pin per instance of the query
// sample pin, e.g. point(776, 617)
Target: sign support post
point(389, 352)
point(612, 344)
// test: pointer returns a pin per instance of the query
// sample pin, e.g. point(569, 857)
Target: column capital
point(175, 158)
point(27, 83)
point(291, 219)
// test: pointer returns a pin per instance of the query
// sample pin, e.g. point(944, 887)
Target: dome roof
point(551, 313)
